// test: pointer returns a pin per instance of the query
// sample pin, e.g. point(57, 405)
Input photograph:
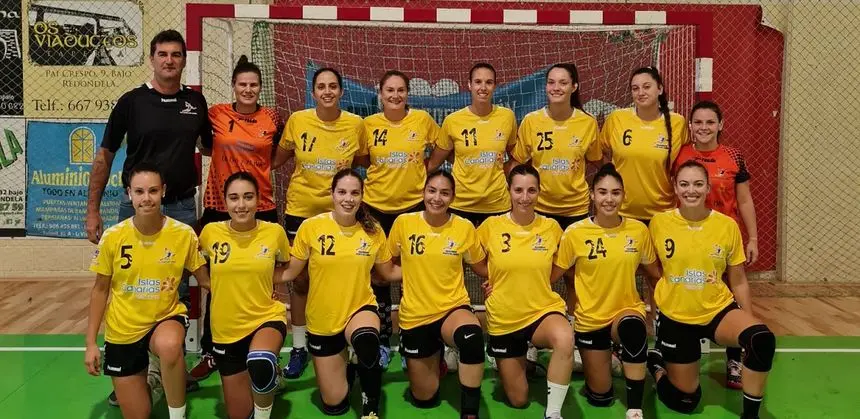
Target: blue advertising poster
point(59, 159)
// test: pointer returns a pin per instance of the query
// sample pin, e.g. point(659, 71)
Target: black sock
point(371, 387)
point(470, 400)
point(751, 406)
point(733, 354)
point(635, 389)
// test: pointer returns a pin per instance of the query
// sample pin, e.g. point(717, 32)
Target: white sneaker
point(532, 353)
point(491, 360)
point(452, 358)
point(634, 414)
point(617, 366)
point(577, 361)
point(554, 416)
point(153, 380)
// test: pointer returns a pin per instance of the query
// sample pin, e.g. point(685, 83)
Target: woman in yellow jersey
point(696, 245)
point(323, 141)
point(605, 250)
point(431, 246)
point(139, 263)
point(341, 247)
point(394, 156)
point(481, 135)
point(522, 308)
point(248, 325)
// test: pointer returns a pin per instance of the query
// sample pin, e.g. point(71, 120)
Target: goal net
point(437, 58)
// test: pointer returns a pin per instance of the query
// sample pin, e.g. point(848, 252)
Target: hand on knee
point(469, 340)
point(759, 346)
point(676, 399)
point(634, 339)
point(365, 342)
point(263, 370)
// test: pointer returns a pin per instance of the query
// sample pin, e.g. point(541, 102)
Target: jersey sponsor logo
point(630, 245)
point(168, 258)
point(363, 248)
point(539, 245)
point(485, 159)
point(325, 165)
point(662, 143)
point(149, 288)
point(694, 279)
point(112, 368)
point(189, 109)
point(397, 159)
point(560, 166)
point(451, 248)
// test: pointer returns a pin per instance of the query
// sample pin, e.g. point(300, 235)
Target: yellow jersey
point(145, 272)
point(520, 262)
point(694, 255)
point(432, 261)
point(322, 149)
point(639, 152)
point(395, 178)
point(605, 261)
point(241, 267)
point(559, 150)
point(479, 144)
point(339, 259)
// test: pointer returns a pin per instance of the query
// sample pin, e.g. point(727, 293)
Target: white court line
point(287, 349)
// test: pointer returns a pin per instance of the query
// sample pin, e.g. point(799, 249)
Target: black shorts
point(680, 342)
point(211, 215)
point(319, 345)
point(291, 225)
point(124, 360)
point(475, 217)
point(386, 220)
point(595, 340)
point(564, 221)
point(515, 344)
point(425, 341)
point(231, 358)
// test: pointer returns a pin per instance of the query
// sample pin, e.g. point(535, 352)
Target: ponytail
point(663, 106)
point(368, 223)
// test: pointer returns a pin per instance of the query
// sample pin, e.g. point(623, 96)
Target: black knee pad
point(263, 370)
point(469, 339)
point(759, 345)
point(678, 400)
point(365, 342)
point(634, 339)
point(425, 404)
point(599, 399)
point(338, 409)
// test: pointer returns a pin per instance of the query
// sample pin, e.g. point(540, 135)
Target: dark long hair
point(368, 223)
point(607, 169)
point(575, 102)
point(663, 103)
point(245, 66)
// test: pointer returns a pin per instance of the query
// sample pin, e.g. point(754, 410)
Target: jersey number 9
point(670, 248)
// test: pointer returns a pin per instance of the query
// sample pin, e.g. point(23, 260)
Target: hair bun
point(607, 168)
point(243, 59)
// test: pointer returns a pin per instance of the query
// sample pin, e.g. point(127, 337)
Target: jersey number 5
point(126, 257)
point(326, 244)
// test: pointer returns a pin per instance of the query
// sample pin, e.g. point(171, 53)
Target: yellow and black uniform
point(241, 267)
point(396, 176)
point(479, 144)
point(559, 150)
point(520, 262)
point(145, 272)
point(322, 149)
point(639, 151)
point(605, 261)
point(339, 259)
point(692, 297)
point(433, 285)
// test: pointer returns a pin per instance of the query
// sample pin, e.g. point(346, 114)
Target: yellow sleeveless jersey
point(322, 149)
point(432, 261)
point(479, 145)
point(639, 152)
point(145, 273)
point(558, 150)
point(241, 266)
point(395, 178)
point(339, 263)
point(520, 262)
point(694, 256)
point(605, 261)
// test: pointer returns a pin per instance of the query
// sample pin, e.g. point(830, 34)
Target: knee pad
point(263, 369)
point(365, 343)
point(599, 399)
point(469, 339)
point(634, 339)
point(676, 399)
point(338, 409)
point(759, 345)
point(425, 404)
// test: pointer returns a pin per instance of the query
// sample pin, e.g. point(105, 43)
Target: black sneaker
point(112, 399)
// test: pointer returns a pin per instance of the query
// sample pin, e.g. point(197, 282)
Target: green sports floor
point(43, 376)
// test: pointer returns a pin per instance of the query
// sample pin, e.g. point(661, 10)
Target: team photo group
point(553, 197)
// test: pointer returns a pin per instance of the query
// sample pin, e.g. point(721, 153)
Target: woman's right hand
point(92, 359)
point(488, 289)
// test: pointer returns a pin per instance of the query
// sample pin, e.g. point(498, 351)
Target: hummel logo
point(410, 351)
point(114, 369)
point(500, 351)
point(171, 100)
point(668, 345)
point(586, 342)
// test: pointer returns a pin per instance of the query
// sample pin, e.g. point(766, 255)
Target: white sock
point(555, 396)
point(300, 336)
point(176, 412)
point(262, 412)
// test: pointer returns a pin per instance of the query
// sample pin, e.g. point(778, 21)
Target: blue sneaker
point(384, 356)
point(298, 363)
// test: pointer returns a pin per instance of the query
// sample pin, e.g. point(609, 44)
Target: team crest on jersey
point(451, 248)
point(342, 145)
point(168, 258)
point(500, 136)
point(95, 257)
point(718, 252)
point(168, 285)
point(662, 142)
point(363, 248)
point(264, 252)
point(630, 244)
point(575, 142)
point(539, 245)
point(189, 109)
point(721, 172)
point(413, 136)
